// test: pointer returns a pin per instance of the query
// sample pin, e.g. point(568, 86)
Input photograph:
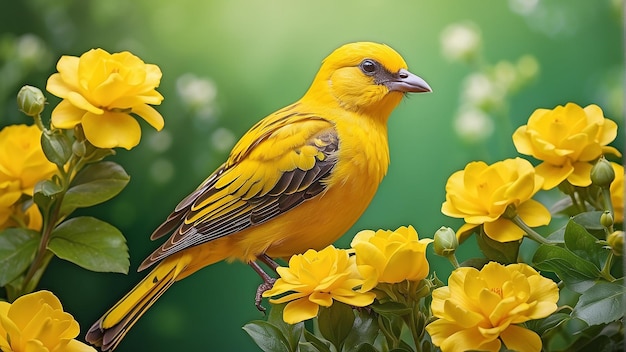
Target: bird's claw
point(266, 285)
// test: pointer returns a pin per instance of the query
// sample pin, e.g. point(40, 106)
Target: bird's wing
point(278, 164)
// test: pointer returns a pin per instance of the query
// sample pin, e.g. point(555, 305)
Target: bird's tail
point(109, 330)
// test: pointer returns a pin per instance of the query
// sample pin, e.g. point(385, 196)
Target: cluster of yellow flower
point(39, 164)
point(22, 165)
point(479, 309)
point(317, 278)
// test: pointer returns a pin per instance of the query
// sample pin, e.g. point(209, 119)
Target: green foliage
point(17, 250)
point(602, 303)
point(92, 244)
point(93, 185)
point(501, 252)
point(82, 180)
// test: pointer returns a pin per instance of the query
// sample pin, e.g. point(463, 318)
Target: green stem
point(606, 195)
point(576, 203)
point(51, 219)
point(530, 233)
point(39, 123)
point(43, 256)
point(453, 260)
point(412, 324)
point(606, 270)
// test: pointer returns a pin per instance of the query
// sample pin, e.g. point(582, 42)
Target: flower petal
point(57, 86)
point(553, 175)
point(149, 114)
point(581, 175)
point(77, 346)
point(503, 230)
point(111, 130)
point(520, 339)
point(533, 213)
point(68, 69)
point(299, 310)
point(27, 306)
point(66, 116)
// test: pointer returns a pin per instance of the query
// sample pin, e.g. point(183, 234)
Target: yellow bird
point(298, 179)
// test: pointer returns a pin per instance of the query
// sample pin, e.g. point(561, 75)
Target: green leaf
point(364, 331)
point(92, 244)
point(45, 192)
point(364, 347)
point(477, 263)
point(391, 309)
point(602, 303)
point(95, 184)
point(557, 235)
point(501, 252)
point(583, 244)
point(17, 250)
point(307, 347)
point(266, 336)
point(577, 273)
point(564, 335)
point(291, 332)
point(589, 220)
point(320, 344)
point(335, 323)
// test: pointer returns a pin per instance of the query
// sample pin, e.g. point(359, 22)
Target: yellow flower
point(22, 165)
point(316, 279)
point(21, 158)
point(617, 193)
point(10, 193)
point(478, 310)
point(36, 322)
point(481, 193)
point(100, 91)
point(566, 139)
point(16, 216)
point(390, 256)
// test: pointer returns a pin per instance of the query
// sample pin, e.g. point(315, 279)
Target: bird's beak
point(404, 81)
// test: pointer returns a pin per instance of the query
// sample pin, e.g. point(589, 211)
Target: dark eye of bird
point(369, 67)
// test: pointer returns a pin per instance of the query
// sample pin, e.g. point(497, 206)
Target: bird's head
point(365, 77)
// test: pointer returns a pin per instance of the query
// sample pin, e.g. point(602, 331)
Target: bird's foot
point(266, 285)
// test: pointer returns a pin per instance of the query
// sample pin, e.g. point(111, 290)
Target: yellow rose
point(617, 193)
point(315, 279)
point(481, 193)
point(21, 158)
point(37, 322)
point(390, 256)
point(16, 216)
point(10, 192)
point(101, 91)
point(479, 310)
point(566, 139)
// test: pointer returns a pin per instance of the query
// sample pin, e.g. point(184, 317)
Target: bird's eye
point(369, 67)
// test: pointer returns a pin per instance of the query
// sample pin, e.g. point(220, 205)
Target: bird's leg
point(269, 261)
point(267, 284)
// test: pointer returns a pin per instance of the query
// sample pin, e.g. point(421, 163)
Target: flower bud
point(79, 148)
point(446, 242)
point(606, 219)
point(56, 146)
point(616, 241)
point(602, 173)
point(30, 100)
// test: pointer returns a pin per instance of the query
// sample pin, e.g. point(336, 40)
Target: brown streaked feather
point(212, 212)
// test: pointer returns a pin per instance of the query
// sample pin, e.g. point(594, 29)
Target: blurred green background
point(227, 64)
